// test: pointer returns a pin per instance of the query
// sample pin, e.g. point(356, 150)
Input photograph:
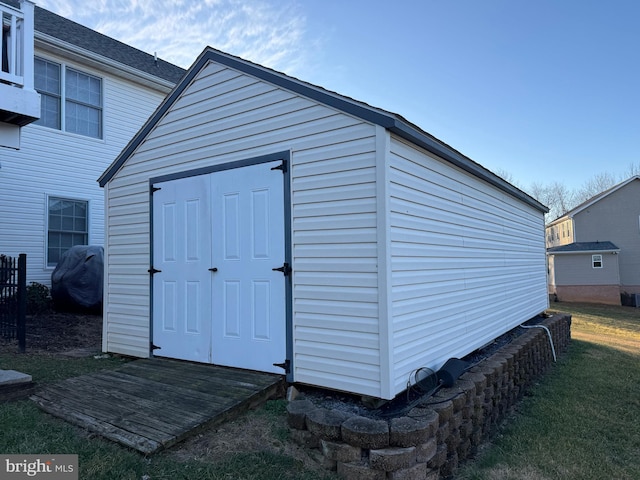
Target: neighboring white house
point(258, 220)
point(92, 94)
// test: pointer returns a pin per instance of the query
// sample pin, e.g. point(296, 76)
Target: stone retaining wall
point(430, 441)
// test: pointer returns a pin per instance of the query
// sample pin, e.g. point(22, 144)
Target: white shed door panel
point(248, 243)
point(231, 222)
point(182, 253)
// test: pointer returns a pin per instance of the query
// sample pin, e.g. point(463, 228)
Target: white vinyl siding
point(468, 261)
point(61, 164)
point(224, 116)
point(400, 260)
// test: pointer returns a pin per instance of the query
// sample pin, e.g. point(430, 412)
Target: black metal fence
point(13, 298)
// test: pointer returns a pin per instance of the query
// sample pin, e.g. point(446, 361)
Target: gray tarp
point(76, 282)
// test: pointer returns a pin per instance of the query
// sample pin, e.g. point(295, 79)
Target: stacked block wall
point(431, 440)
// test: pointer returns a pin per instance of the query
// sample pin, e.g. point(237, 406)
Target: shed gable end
point(225, 116)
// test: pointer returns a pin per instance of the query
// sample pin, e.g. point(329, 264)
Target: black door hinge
point(285, 269)
point(282, 166)
point(153, 271)
point(154, 347)
point(286, 365)
point(155, 189)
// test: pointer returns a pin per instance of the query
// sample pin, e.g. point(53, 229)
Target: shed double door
point(216, 241)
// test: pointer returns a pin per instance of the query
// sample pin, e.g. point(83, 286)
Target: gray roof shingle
point(59, 27)
point(71, 32)
point(583, 247)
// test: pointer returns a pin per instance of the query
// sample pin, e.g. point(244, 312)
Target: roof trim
point(388, 120)
point(53, 25)
point(53, 45)
point(596, 198)
point(578, 252)
point(583, 247)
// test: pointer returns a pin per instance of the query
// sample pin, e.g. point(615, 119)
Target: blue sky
point(545, 90)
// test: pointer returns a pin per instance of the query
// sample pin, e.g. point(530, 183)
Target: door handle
point(213, 269)
point(285, 269)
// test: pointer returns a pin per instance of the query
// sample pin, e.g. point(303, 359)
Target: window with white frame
point(70, 100)
point(596, 261)
point(68, 226)
point(47, 82)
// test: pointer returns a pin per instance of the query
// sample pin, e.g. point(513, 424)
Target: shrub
point(38, 298)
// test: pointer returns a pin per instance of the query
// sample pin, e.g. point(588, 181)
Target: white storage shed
point(261, 222)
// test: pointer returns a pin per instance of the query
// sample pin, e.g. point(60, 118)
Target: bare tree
point(556, 196)
point(632, 170)
point(560, 199)
point(595, 185)
point(507, 176)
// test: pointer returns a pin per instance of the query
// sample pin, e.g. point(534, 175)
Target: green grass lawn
point(26, 429)
point(579, 422)
point(582, 420)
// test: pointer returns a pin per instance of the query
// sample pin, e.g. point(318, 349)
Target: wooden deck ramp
point(152, 404)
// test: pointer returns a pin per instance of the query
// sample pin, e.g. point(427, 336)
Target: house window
point(47, 83)
point(68, 226)
point(596, 261)
point(83, 111)
point(70, 100)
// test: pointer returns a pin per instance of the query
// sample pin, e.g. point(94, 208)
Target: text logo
point(49, 467)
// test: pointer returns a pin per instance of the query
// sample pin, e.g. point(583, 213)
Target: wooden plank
point(96, 414)
point(152, 404)
point(212, 385)
point(105, 429)
point(174, 413)
point(237, 376)
point(216, 399)
point(252, 402)
point(144, 388)
point(128, 419)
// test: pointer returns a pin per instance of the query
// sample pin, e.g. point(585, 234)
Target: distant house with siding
point(93, 94)
point(261, 222)
point(594, 249)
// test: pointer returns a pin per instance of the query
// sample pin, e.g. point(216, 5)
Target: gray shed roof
point(389, 120)
point(583, 247)
point(49, 23)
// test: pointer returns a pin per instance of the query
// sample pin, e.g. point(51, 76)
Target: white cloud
point(271, 33)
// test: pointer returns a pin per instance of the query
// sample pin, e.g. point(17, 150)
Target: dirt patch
point(57, 333)
point(261, 431)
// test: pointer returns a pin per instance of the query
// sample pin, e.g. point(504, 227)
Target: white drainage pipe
point(553, 350)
